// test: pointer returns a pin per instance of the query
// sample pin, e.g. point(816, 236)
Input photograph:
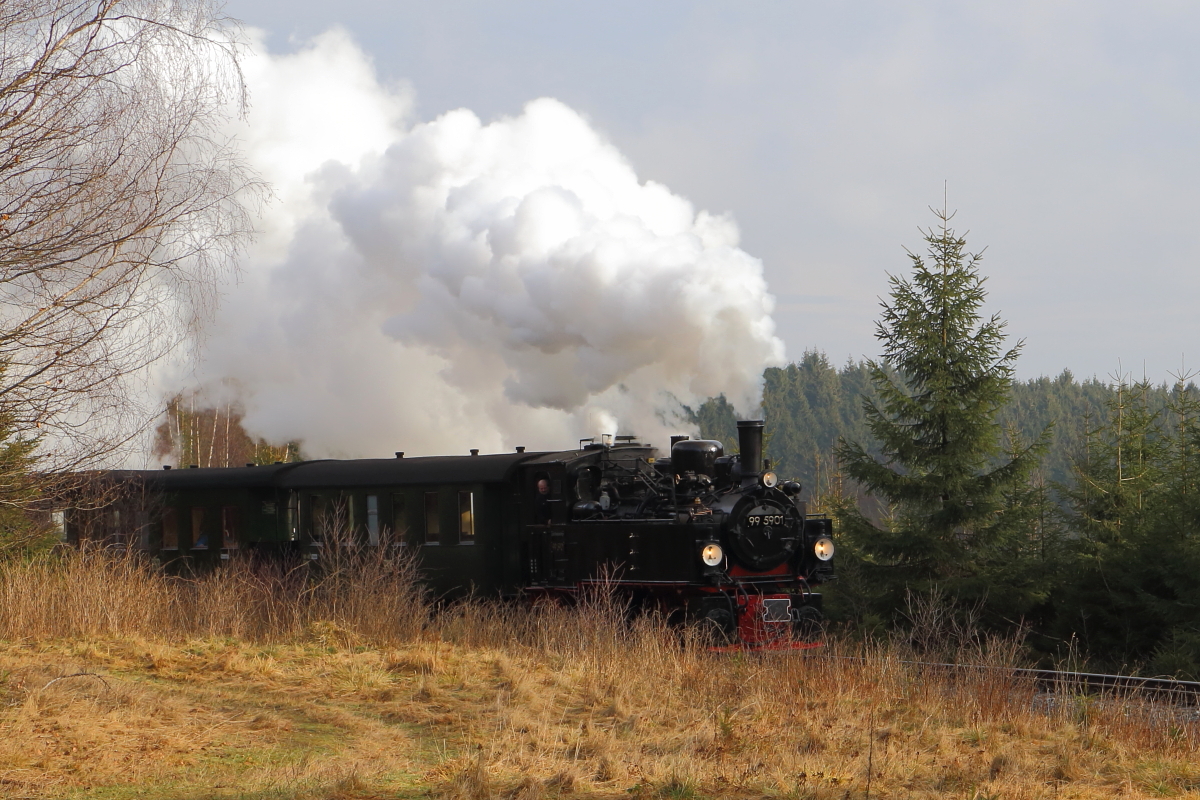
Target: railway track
point(1170, 689)
point(1176, 691)
point(1163, 688)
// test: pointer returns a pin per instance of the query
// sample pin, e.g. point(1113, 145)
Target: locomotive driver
point(543, 502)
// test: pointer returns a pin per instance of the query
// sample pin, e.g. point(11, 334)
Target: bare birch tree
point(121, 201)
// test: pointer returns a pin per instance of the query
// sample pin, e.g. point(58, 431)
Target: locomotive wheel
point(718, 627)
point(807, 622)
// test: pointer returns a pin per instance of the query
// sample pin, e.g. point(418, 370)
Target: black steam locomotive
point(704, 536)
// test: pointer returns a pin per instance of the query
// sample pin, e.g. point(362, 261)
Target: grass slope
point(481, 702)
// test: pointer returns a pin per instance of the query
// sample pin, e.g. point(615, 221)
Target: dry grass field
point(119, 682)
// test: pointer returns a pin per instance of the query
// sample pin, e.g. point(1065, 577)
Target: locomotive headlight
point(770, 480)
point(712, 555)
point(823, 548)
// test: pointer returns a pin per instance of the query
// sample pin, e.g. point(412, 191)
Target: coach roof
point(402, 471)
point(174, 480)
point(332, 473)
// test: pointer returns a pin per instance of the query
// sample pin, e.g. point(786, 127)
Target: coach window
point(199, 537)
point(433, 527)
point(346, 511)
point(466, 518)
point(316, 517)
point(229, 527)
point(399, 521)
point(349, 510)
point(292, 520)
point(373, 520)
point(143, 529)
point(341, 517)
point(170, 529)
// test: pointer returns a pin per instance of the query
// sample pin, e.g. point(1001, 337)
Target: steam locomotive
point(707, 537)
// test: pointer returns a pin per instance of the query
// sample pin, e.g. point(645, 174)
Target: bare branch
point(121, 202)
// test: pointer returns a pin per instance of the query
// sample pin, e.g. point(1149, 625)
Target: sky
point(1064, 135)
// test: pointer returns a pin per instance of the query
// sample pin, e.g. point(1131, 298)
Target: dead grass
point(361, 595)
point(487, 701)
point(202, 719)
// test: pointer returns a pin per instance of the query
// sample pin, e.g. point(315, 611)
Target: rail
point(1176, 689)
point(1058, 680)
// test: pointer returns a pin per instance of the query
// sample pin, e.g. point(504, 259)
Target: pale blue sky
point(1068, 134)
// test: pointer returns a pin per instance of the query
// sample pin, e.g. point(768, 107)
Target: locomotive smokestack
point(750, 442)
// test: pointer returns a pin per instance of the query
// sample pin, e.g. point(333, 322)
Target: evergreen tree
point(1118, 471)
point(1063, 403)
point(717, 420)
point(1171, 550)
point(1134, 509)
point(801, 406)
point(20, 490)
point(955, 507)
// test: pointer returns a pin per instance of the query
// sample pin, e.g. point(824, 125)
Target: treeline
point(205, 435)
point(811, 405)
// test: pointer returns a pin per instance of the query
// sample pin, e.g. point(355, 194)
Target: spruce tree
point(20, 492)
point(1134, 510)
point(953, 493)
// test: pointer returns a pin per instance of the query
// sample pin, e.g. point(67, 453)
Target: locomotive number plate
point(763, 520)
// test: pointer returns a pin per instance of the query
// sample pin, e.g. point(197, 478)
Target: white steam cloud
point(436, 286)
